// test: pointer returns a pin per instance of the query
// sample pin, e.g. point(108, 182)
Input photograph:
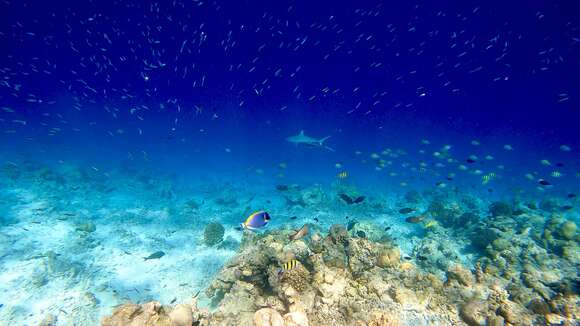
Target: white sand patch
point(53, 268)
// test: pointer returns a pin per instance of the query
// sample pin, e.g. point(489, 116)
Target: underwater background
point(136, 137)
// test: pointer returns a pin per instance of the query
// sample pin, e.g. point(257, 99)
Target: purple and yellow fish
point(256, 221)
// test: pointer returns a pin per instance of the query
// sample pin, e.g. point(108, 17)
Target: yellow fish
point(342, 175)
point(431, 224)
point(287, 266)
point(487, 178)
point(290, 264)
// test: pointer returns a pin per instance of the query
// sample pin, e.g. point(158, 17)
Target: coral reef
point(213, 234)
point(343, 279)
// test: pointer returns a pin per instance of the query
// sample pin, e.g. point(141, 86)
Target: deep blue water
point(209, 90)
point(182, 81)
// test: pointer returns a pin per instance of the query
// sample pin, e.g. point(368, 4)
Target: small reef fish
point(556, 174)
point(256, 220)
point(349, 200)
point(565, 148)
point(302, 232)
point(155, 255)
point(471, 159)
point(342, 175)
point(415, 219)
point(487, 178)
point(289, 265)
point(431, 224)
point(529, 176)
point(544, 182)
point(406, 210)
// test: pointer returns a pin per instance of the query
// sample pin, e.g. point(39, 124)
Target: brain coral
point(213, 234)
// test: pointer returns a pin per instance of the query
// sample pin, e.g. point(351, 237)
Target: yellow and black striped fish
point(342, 175)
point(290, 264)
point(287, 266)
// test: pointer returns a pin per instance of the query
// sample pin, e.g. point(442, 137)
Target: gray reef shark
point(305, 140)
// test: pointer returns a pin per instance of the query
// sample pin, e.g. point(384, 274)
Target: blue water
point(120, 113)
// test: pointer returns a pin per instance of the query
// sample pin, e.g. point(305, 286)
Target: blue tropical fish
point(256, 221)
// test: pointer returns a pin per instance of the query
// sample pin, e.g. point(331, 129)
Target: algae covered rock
point(549, 205)
point(514, 313)
point(568, 230)
point(87, 227)
point(313, 196)
point(474, 313)
point(153, 313)
point(268, 317)
point(361, 256)
point(468, 218)
point(500, 244)
point(298, 278)
point(338, 234)
point(500, 208)
point(133, 314)
point(181, 315)
point(365, 230)
point(295, 318)
point(383, 318)
point(213, 234)
point(485, 236)
point(389, 257)
point(461, 275)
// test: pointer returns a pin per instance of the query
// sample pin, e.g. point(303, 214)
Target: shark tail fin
point(321, 141)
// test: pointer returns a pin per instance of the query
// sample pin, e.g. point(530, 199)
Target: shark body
point(305, 140)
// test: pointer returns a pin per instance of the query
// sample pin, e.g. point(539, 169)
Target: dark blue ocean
point(126, 127)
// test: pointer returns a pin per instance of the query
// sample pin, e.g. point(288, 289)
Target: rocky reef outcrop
point(154, 313)
point(343, 278)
